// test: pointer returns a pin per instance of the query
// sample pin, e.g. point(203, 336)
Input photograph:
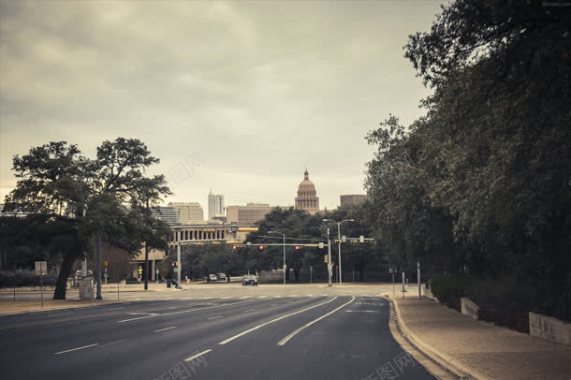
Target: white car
point(212, 277)
point(222, 277)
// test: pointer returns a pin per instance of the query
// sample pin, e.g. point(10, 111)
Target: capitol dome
point(307, 198)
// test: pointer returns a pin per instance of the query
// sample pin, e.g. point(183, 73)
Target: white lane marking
point(277, 296)
point(148, 315)
point(310, 295)
point(249, 310)
point(180, 312)
point(244, 297)
point(215, 317)
point(300, 329)
point(273, 321)
point(197, 355)
point(165, 329)
point(112, 343)
point(362, 311)
point(293, 295)
point(225, 298)
point(76, 349)
point(263, 297)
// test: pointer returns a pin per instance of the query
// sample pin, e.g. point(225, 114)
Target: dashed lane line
point(76, 349)
point(197, 355)
point(165, 329)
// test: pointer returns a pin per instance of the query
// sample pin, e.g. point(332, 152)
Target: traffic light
point(297, 247)
point(325, 259)
point(174, 264)
point(234, 248)
point(261, 248)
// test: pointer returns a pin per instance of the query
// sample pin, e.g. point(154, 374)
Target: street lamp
point(284, 238)
point(339, 241)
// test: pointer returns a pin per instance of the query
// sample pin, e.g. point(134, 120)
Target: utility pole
point(418, 279)
point(98, 277)
point(329, 263)
point(178, 261)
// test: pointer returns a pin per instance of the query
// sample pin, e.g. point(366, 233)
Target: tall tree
point(93, 197)
point(491, 160)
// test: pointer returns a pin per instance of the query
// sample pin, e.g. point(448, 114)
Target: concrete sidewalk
point(479, 349)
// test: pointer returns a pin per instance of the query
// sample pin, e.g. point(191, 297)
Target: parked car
point(222, 276)
point(249, 280)
point(212, 277)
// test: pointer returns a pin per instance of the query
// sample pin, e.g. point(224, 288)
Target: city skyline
point(227, 95)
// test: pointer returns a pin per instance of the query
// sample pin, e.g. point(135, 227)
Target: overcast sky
point(237, 97)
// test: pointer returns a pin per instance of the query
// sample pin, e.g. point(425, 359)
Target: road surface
point(246, 337)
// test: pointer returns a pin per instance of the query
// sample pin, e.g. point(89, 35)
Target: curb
point(440, 358)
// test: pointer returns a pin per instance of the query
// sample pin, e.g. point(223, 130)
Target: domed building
point(307, 198)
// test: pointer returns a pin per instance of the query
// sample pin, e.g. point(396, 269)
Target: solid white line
point(362, 311)
point(165, 329)
point(272, 321)
point(197, 355)
point(215, 317)
point(76, 349)
point(297, 331)
point(249, 310)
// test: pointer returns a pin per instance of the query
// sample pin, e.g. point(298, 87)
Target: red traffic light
point(261, 247)
point(297, 247)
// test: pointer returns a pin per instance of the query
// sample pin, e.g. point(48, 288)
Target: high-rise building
point(351, 200)
point(307, 198)
point(247, 215)
point(166, 214)
point(216, 208)
point(188, 212)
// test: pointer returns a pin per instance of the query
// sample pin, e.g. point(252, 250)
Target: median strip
point(297, 331)
point(273, 321)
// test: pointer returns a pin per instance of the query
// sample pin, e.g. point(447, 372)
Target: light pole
point(284, 251)
point(339, 242)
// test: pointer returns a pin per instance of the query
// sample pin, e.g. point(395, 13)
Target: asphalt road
point(262, 337)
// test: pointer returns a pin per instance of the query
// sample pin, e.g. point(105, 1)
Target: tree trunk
point(64, 272)
point(296, 273)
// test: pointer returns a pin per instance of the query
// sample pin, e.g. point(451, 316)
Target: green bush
point(448, 289)
point(10, 279)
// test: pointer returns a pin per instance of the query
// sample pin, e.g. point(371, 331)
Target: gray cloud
point(257, 89)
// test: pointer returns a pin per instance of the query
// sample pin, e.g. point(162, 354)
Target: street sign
point(321, 245)
point(41, 268)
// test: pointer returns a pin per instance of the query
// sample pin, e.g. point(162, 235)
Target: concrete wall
point(468, 307)
point(549, 328)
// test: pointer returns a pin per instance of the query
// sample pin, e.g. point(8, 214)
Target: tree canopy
point(79, 197)
point(482, 182)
